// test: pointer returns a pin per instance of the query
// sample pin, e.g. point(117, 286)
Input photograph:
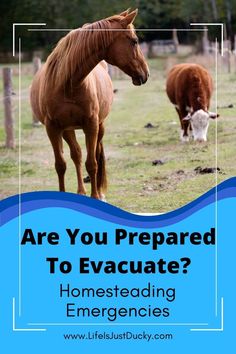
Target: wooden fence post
point(36, 66)
point(9, 121)
point(205, 42)
point(234, 53)
point(228, 55)
point(175, 40)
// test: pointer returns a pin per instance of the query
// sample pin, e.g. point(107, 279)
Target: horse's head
point(124, 50)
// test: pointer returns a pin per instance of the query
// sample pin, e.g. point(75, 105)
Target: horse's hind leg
point(100, 156)
point(55, 136)
point(91, 136)
point(76, 156)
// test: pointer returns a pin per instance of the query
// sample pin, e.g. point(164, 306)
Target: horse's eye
point(134, 41)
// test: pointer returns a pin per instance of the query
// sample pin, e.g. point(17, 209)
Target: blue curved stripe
point(37, 200)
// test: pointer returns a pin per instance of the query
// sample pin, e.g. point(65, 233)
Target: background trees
point(74, 13)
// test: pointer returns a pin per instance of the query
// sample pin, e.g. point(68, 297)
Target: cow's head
point(199, 122)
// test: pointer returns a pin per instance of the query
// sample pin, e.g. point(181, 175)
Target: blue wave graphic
point(36, 200)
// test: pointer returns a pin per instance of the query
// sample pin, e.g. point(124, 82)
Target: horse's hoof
point(103, 198)
point(81, 192)
point(95, 196)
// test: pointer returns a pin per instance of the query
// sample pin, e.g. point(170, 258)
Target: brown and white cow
point(189, 87)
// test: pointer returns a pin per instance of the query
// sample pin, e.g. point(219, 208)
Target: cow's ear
point(188, 117)
point(213, 115)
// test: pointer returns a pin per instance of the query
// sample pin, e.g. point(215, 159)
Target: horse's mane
point(73, 50)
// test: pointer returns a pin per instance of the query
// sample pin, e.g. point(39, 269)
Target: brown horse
point(73, 91)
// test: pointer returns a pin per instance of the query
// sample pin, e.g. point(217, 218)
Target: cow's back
point(189, 84)
point(172, 82)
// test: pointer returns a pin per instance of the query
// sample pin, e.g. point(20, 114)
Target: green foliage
point(74, 13)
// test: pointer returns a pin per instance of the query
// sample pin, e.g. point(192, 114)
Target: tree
point(74, 13)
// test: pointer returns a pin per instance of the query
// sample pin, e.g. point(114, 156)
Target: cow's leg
point(190, 130)
point(184, 136)
point(76, 156)
point(55, 136)
point(185, 131)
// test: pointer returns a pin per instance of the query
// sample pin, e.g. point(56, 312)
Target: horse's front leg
point(55, 136)
point(91, 137)
point(76, 155)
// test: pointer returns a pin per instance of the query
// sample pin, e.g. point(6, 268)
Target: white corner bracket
point(221, 329)
point(214, 24)
point(22, 329)
point(14, 30)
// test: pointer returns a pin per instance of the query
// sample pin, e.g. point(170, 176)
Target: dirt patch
point(158, 162)
point(149, 126)
point(206, 170)
point(227, 106)
point(149, 188)
point(167, 183)
point(180, 172)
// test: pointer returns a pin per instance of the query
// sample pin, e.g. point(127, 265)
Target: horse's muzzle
point(140, 80)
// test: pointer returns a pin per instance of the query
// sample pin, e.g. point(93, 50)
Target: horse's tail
point(101, 161)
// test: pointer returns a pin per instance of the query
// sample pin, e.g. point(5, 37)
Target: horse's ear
point(125, 13)
point(128, 19)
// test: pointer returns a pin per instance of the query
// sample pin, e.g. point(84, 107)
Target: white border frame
point(216, 181)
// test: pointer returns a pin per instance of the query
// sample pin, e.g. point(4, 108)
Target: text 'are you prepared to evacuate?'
point(118, 238)
point(85, 265)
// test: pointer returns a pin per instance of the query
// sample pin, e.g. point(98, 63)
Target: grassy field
point(134, 183)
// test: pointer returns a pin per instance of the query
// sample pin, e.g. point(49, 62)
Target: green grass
point(134, 183)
